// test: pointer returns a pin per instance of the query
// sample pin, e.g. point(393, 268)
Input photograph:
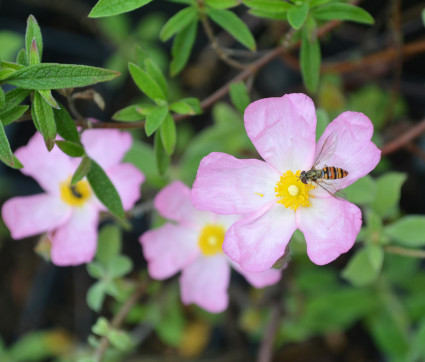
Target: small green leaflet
point(33, 32)
point(114, 7)
point(70, 148)
point(310, 59)
point(81, 171)
point(47, 76)
point(272, 6)
point(297, 15)
point(239, 96)
point(44, 120)
point(178, 22)
point(168, 134)
point(187, 106)
point(65, 125)
point(104, 190)
point(155, 118)
point(340, 11)
point(222, 4)
point(6, 154)
point(162, 159)
point(182, 47)
point(234, 25)
point(146, 83)
point(47, 95)
point(408, 231)
point(153, 70)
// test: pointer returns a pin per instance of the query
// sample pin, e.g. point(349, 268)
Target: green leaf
point(14, 97)
point(66, 125)
point(297, 15)
point(21, 57)
point(96, 296)
point(129, 114)
point(408, 231)
point(362, 192)
point(178, 22)
point(146, 83)
point(182, 47)
point(119, 266)
point(234, 25)
point(47, 96)
point(162, 159)
point(11, 42)
point(5, 73)
point(55, 76)
point(222, 4)
point(142, 156)
point(387, 197)
point(44, 120)
point(109, 243)
point(310, 59)
point(104, 190)
point(6, 154)
point(120, 340)
point(34, 56)
point(168, 134)
point(268, 14)
point(272, 6)
point(187, 106)
point(81, 171)
point(12, 114)
point(33, 32)
point(153, 70)
point(114, 7)
point(154, 119)
point(364, 268)
point(70, 148)
point(239, 96)
point(340, 11)
point(96, 270)
point(423, 17)
point(2, 99)
point(101, 327)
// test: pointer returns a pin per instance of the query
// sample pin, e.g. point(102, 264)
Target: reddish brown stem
point(404, 139)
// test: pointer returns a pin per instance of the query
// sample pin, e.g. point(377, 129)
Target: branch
point(413, 253)
point(221, 92)
point(120, 317)
point(404, 139)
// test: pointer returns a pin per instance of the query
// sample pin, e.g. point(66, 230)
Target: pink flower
point(270, 194)
point(70, 215)
point(193, 244)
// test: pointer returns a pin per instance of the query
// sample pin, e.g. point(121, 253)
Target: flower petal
point(259, 240)
point(261, 279)
point(49, 169)
point(354, 151)
point(106, 147)
point(128, 180)
point(226, 185)
point(75, 242)
point(330, 227)
point(168, 249)
point(283, 130)
point(32, 215)
point(205, 282)
point(173, 203)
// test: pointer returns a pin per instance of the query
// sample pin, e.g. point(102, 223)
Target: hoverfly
point(318, 176)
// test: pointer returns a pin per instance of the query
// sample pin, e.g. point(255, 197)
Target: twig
point(266, 349)
point(214, 43)
point(120, 317)
point(221, 92)
point(404, 139)
point(413, 253)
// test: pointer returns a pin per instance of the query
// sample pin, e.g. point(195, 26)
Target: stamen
point(75, 195)
point(211, 239)
point(291, 192)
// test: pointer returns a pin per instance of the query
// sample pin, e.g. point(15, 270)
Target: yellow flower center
point(291, 192)
point(211, 239)
point(75, 195)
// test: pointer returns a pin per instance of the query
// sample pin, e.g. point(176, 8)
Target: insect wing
point(328, 149)
point(330, 189)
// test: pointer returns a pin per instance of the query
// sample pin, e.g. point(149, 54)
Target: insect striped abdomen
point(334, 173)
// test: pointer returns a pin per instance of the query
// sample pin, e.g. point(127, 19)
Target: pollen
point(75, 195)
point(211, 239)
point(291, 192)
